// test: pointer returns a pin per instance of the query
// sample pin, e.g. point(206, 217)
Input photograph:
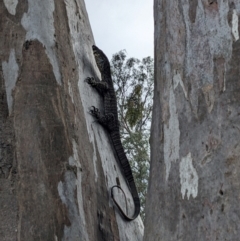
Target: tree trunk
point(56, 165)
point(194, 186)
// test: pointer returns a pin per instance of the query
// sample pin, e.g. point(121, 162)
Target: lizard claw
point(94, 111)
point(89, 80)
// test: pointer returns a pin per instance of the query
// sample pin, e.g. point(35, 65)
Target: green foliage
point(134, 106)
point(133, 82)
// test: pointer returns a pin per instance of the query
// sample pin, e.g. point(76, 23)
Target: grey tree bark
point(56, 165)
point(194, 186)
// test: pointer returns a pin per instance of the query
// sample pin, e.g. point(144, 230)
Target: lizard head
point(101, 60)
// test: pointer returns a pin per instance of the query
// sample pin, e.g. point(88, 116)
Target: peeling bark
point(195, 152)
point(56, 165)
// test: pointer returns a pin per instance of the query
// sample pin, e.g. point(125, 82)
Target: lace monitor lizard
point(110, 121)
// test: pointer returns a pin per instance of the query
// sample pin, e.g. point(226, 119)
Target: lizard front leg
point(100, 86)
point(104, 120)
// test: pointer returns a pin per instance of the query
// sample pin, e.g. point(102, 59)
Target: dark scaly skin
point(110, 121)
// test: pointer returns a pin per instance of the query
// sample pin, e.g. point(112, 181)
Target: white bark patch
point(74, 23)
point(171, 135)
point(70, 91)
point(11, 6)
point(178, 80)
point(66, 191)
point(235, 32)
point(76, 163)
point(39, 24)
point(10, 73)
point(188, 177)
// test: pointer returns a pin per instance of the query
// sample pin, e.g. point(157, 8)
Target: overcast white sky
point(122, 24)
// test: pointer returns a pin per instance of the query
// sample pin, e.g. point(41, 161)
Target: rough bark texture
point(194, 186)
point(56, 165)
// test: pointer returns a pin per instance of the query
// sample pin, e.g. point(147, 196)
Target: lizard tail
point(136, 203)
point(129, 176)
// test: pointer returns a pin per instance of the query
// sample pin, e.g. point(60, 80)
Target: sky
point(122, 24)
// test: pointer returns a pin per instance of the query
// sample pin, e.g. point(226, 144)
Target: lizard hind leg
point(104, 120)
point(95, 112)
